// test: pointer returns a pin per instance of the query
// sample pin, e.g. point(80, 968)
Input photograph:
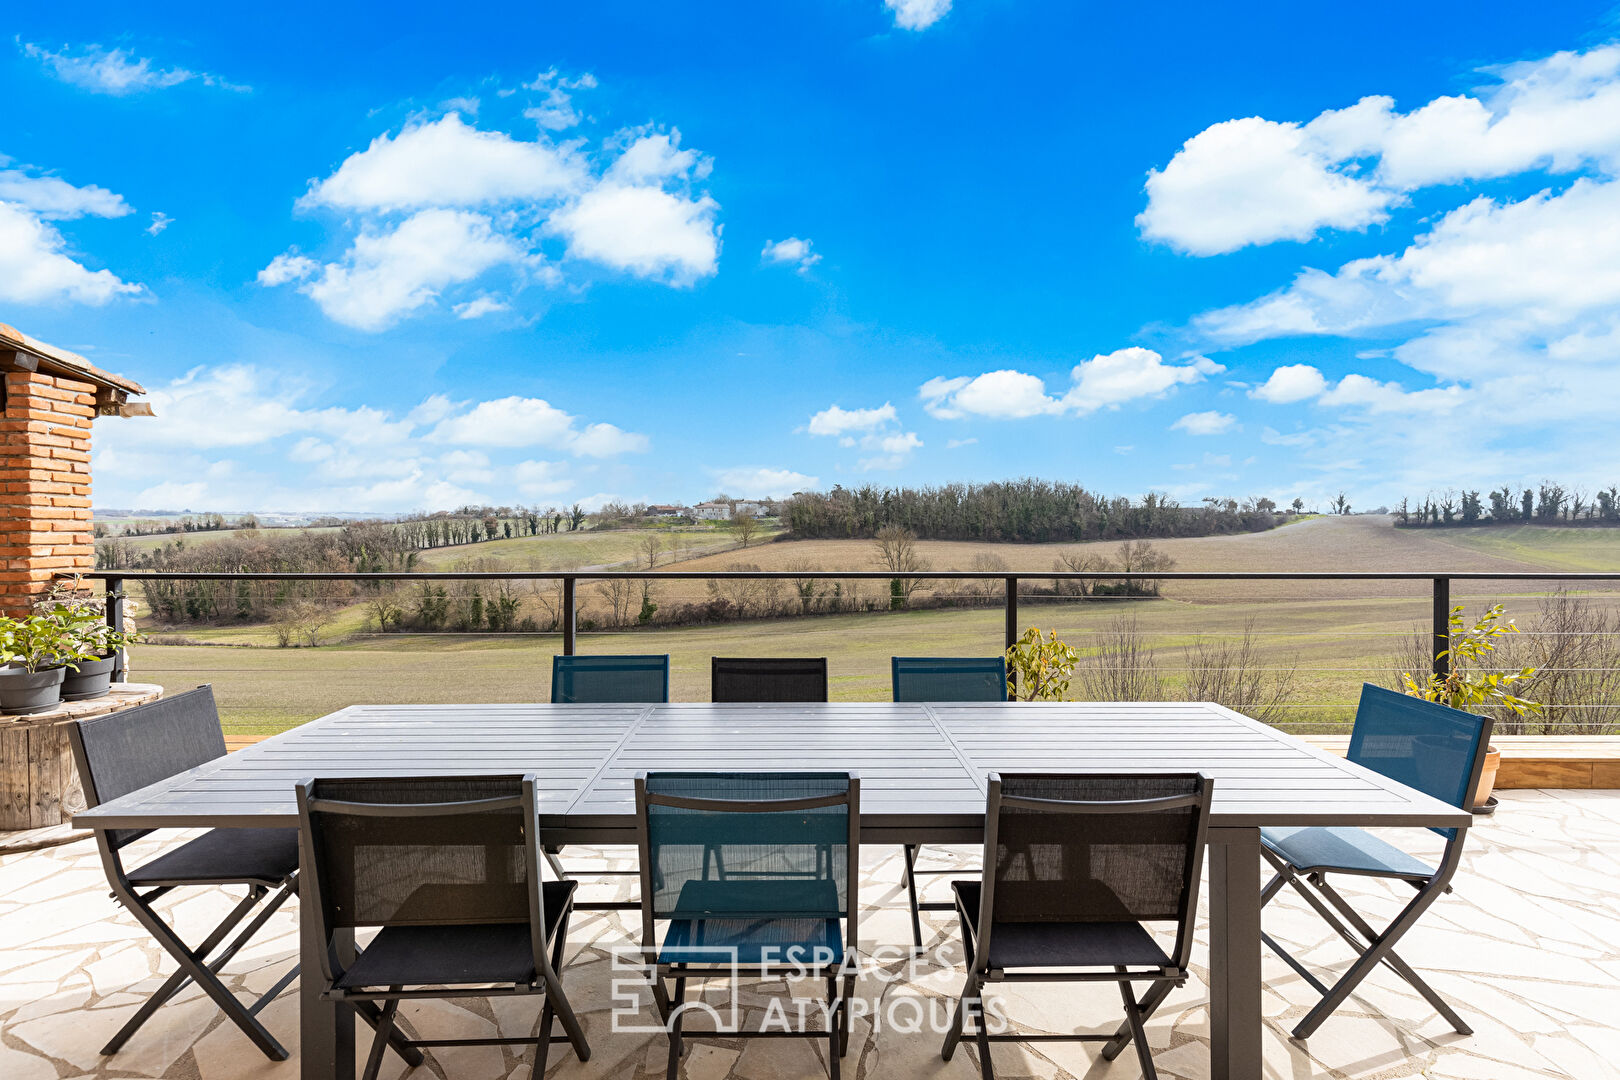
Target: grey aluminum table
point(922, 767)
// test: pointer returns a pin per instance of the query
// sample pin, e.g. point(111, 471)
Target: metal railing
point(1440, 584)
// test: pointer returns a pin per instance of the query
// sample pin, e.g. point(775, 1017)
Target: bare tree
point(744, 594)
point(1232, 673)
point(621, 597)
point(1140, 556)
point(745, 526)
point(651, 546)
point(1122, 668)
point(808, 591)
point(896, 549)
point(1079, 561)
point(986, 590)
point(301, 622)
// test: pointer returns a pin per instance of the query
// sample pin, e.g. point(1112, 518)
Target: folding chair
point(1431, 747)
point(125, 751)
point(580, 680)
point(750, 679)
point(749, 871)
point(447, 869)
point(600, 679)
point(1074, 866)
point(948, 678)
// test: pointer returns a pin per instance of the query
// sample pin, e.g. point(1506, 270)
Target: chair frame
point(561, 661)
point(909, 871)
point(1163, 980)
point(194, 963)
point(672, 1005)
point(547, 963)
point(716, 661)
point(1374, 946)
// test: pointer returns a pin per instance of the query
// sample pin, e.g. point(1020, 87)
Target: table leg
point(326, 1029)
point(1234, 954)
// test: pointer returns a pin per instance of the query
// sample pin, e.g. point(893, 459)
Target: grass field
point(1331, 635)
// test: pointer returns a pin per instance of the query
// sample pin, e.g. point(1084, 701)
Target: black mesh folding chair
point(125, 751)
point(942, 678)
point(768, 679)
point(1075, 865)
point(749, 872)
point(1437, 750)
point(602, 679)
point(581, 680)
point(447, 869)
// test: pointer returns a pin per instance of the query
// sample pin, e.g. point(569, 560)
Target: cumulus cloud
point(35, 267)
point(485, 198)
point(836, 421)
point(889, 451)
point(917, 14)
point(116, 71)
point(54, 199)
point(523, 422)
point(1290, 383)
point(1256, 181)
point(1206, 423)
point(756, 481)
point(1107, 380)
point(790, 252)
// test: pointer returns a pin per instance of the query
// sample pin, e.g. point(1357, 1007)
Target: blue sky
point(384, 261)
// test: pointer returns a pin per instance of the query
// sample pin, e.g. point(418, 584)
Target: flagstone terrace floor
point(1526, 947)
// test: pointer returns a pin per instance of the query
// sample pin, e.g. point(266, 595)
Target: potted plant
point(96, 645)
point(35, 653)
point(1039, 667)
point(1466, 686)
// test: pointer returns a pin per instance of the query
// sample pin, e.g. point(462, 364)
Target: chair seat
point(1345, 850)
point(456, 955)
point(224, 856)
point(1062, 944)
point(752, 942)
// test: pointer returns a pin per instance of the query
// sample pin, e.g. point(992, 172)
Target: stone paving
point(1525, 947)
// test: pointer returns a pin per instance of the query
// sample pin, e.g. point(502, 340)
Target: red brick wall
point(44, 484)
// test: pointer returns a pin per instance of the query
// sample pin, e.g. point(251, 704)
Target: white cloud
point(160, 221)
point(836, 421)
point(521, 421)
point(288, 266)
point(116, 71)
point(754, 481)
point(891, 451)
point(1002, 395)
point(605, 440)
point(1290, 383)
point(1254, 181)
point(952, 444)
point(1107, 380)
point(479, 306)
point(542, 479)
point(790, 252)
point(447, 163)
point(385, 275)
point(655, 157)
point(646, 231)
point(556, 111)
point(1206, 423)
point(917, 14)
point(54, 199)
point(1372, 396)
point(35, 268)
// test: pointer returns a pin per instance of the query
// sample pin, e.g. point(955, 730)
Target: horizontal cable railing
point(1323, 699)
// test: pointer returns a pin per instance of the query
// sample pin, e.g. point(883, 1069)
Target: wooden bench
point(1539, 761)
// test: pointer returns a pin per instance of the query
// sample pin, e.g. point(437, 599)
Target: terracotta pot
point(1487, 777)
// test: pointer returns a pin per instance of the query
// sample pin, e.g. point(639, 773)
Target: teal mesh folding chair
point(596, 680)
point(749, 873)
point(1077, 868)
point(942, 678)
point(1435, 749)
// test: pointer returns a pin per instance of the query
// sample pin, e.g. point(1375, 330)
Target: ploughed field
point(1322, 639)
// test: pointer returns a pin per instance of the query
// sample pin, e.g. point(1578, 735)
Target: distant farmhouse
point(724, 510)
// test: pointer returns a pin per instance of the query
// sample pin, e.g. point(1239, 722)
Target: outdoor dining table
point(923, 770)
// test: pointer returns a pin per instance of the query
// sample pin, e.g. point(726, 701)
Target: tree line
point(1016, 510)
point(1548, 503)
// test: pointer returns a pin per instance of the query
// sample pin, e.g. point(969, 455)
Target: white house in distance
point(716, 510)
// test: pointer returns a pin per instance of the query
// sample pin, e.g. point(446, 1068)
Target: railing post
point(568, 616)
point(114, 596)
point(1442, 626)
point(1010, 636)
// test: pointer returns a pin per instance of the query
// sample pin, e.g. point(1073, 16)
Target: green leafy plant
point(37, 643)
point(82, 618)
point(1465, 684)
point(1039, 667)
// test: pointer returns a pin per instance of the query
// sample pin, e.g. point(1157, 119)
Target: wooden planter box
point(39, 785)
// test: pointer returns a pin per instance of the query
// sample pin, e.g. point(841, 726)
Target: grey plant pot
point(92, 680)
point(23, 692)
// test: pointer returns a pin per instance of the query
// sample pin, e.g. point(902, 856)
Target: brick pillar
point(44, 484)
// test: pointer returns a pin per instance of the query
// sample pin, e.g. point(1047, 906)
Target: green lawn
point(1551, 546)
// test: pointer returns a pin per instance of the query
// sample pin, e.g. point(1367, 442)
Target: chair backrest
point(949, 678)
point(724, 845)
point(124, 751)
point(768, 679)
point(1095, 847)
point(601, 679)
point(1425, 745)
